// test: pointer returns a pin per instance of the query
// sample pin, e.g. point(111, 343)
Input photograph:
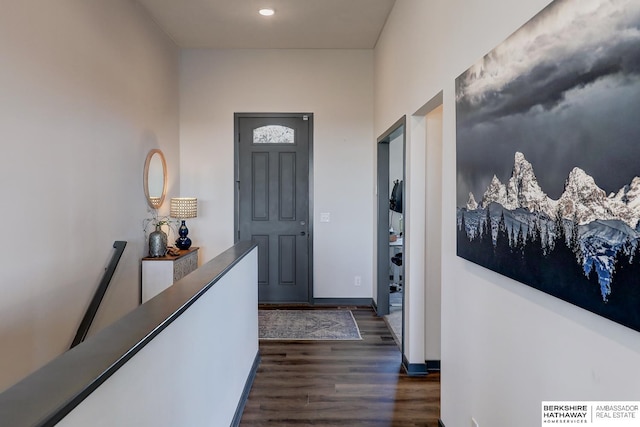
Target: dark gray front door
point(273, 201)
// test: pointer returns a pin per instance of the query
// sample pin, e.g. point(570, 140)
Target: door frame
point(382, 259)
point(236, 183)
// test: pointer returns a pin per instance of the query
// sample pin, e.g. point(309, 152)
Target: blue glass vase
point(183, 242)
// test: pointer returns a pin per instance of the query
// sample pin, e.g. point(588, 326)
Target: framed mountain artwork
point(548, 156)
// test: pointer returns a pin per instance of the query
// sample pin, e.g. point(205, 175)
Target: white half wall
point(505, 346)
point(193, 372)
point(337, 87)
point(86, 90)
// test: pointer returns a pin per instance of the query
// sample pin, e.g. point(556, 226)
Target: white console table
point(158, 273)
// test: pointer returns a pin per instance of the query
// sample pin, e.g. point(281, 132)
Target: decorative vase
point(183, 241)
point(157, 242)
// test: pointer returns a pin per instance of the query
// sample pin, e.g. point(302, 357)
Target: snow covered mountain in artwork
point(605, 224)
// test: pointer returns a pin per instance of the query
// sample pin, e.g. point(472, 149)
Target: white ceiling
point(297, 24)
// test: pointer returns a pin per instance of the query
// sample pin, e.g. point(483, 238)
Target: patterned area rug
point(307, 325)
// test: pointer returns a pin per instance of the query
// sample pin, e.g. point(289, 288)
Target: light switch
point(325, 217)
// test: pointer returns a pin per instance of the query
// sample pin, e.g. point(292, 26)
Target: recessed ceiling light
point(266, 12)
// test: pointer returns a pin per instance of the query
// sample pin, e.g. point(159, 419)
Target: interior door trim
point(236, 182)
point(382, 258)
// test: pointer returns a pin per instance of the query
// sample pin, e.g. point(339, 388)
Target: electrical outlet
point(357, 281)
point(474, 423)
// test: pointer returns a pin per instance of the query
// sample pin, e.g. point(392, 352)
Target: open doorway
point(391, 217)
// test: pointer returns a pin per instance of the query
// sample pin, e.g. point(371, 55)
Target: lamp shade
point(184, 207)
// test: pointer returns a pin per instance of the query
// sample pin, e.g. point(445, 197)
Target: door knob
point(303, 233)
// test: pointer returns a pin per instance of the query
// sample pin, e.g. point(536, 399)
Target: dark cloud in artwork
point(564, 90)
point(546, 84)
point(595, 128)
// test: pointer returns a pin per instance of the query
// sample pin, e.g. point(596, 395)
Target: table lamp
point(182, 208)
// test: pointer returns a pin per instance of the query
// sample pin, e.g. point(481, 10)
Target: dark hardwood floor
point(340, 383)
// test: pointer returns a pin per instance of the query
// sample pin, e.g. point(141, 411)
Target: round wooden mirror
point(155, 178)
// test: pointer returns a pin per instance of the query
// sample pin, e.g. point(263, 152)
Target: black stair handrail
point(83, 329)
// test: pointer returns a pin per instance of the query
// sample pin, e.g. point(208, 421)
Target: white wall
point(190, 374)
point(86, 90)
point(433, 240)
point(337, 87)
point(505, 346)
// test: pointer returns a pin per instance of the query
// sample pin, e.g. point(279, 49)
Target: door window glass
point(273, 134)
